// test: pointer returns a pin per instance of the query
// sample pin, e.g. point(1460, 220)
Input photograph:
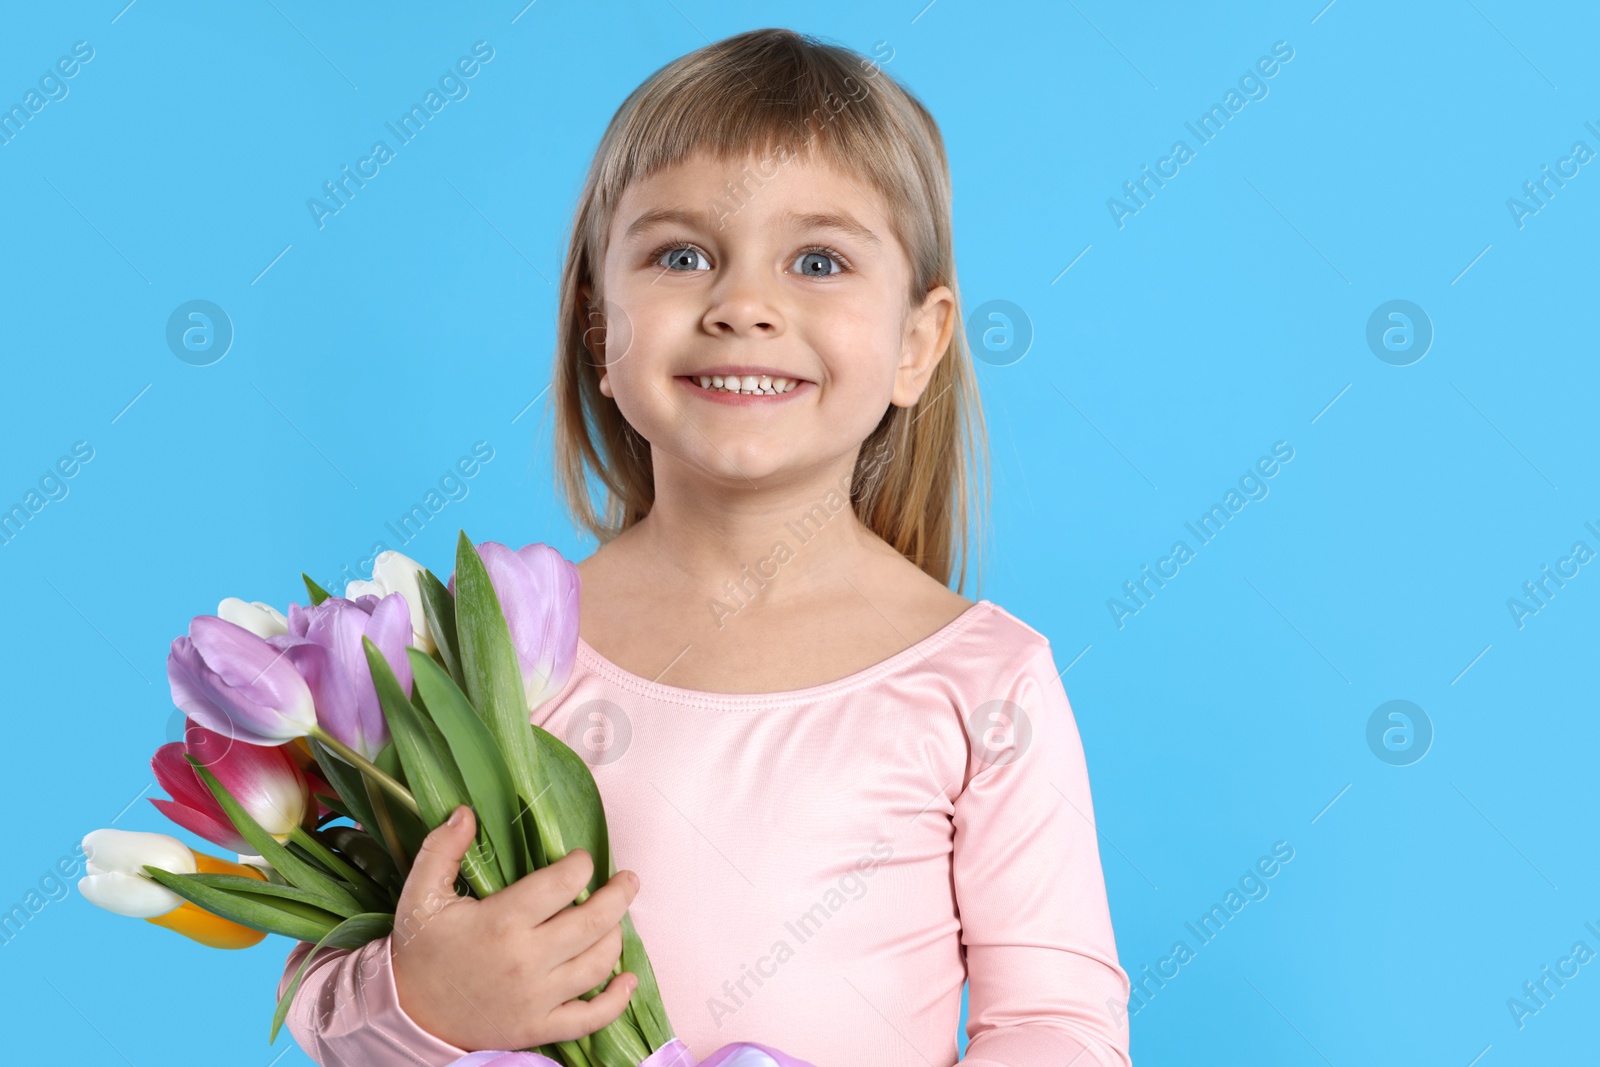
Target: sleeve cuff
point(353, 1015)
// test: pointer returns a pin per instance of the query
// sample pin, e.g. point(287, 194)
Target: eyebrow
point(800, 220)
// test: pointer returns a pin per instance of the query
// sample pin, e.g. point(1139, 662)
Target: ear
point(593, 334)
point(927, 335)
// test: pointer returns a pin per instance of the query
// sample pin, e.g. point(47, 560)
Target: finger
point(438, 862)
point(589, 968)
point(574, 929)
point(579, 1018)
point(538, 895)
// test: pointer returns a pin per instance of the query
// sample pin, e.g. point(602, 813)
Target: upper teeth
point(749, 383)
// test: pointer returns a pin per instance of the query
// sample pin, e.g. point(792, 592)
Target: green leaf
point(439, 608)
point(549, 777)
point(354, 932)
point(337, 808)
point(408, 826)
point(490, 667)
point(436, 784)
point(365, 851)
point(258, 909)
point(292, 867)
point(318, 594)
point(619, 1041)
point(567, 808)
point(430, 771)
point(575, 1053)
point(348, 781)
point(645, 1004)
point(240, 884)
point(363, 888)
point(388, 759)
point(483, 769)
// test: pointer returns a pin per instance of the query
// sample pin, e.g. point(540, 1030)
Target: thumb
point(439, 860)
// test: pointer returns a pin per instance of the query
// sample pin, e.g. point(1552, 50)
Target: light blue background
point(1229, 313)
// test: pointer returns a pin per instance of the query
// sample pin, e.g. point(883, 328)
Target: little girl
point(845, 789)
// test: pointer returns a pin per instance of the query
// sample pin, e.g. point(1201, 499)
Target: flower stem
point(391, 837)
point(368, 768)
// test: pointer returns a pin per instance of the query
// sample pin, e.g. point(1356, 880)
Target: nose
point(744, 303)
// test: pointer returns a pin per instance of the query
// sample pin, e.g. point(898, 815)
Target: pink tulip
point(264, 780)
point(538, 593)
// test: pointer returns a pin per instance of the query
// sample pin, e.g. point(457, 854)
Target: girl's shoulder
point(1002, 623)
point(988, 641)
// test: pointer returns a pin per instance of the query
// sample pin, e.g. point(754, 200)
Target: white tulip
point(254, 861)
point(116, 880)
point(393, 572)
point(263, 620)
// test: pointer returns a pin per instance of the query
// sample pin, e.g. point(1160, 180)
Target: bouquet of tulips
point(388, 708)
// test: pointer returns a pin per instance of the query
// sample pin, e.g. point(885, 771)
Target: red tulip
point(264, 780)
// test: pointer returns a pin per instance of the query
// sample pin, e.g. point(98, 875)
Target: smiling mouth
point(746, 384)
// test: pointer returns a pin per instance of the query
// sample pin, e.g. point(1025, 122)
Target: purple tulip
point(538, 592)
point(751, 1054)
point(496, 1058)
point(232, 682)
point(324, 645)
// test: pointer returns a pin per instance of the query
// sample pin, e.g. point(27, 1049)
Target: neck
point(744, 542)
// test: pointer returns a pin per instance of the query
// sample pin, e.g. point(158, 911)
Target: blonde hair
point(759, 91)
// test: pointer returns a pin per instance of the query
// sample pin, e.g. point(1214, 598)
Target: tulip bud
point(263, 620)
point(393, 572)
point(324, 644)
point(231, 681)
point(264, 780)
point(116, 881)
point(538, 592)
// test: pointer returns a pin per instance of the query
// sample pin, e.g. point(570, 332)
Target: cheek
point(638, 331)
point(860, 349)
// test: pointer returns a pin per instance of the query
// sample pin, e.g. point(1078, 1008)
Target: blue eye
point(681, 257)
point(678, 256)
point(816, 265)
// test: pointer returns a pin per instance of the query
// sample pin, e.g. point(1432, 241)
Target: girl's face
point(795, 277)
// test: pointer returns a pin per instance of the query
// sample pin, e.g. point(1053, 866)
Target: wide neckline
point(917, 651)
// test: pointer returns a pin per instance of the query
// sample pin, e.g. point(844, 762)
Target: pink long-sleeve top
point(822, 868)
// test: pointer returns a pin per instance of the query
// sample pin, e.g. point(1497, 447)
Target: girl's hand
point(505, 972)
